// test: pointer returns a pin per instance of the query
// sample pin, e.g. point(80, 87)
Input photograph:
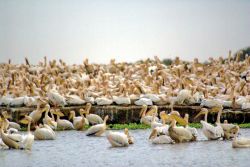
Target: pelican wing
point(117, 139)
point(93, 130)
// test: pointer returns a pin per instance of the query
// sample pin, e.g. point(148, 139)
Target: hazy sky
point(127, 30)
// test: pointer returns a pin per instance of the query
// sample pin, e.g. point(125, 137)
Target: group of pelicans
point(164, 130)
point(219, 82)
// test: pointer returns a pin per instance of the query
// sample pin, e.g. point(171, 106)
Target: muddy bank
point(131, 114)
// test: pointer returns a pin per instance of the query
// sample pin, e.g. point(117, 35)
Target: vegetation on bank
point(134, 126)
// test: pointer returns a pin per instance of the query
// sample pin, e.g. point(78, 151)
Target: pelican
point(99, 129)
point(63, 123)
point(210, 131)
point(11, 143)
point(117, 139)
point(28, 139)
point(56, 98)
point(131, 140)
point(93, 119)
point(49, 120)
point(179, 134)
point(155, 124)
point(161, 139)
point(147, 118)
point(162, 130)
point(228, 129)
point(192, 130)
point(9, 124)
point(37, 114)
point(78, 122)
point(44, 132)
point(240, 142)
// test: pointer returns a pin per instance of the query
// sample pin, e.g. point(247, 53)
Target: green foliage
point(129, 126)
point(167, 62)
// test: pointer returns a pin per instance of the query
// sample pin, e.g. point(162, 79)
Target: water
point(72, 148)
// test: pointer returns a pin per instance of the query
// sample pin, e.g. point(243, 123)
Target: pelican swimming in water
point(44, 132)
point(117, 139)
point(7, 140)
point(228, 129)
point(78, 122)
point(131, 139)
point(49, 120)
point(28, 139)
point(240, 142)
point(210, 131)
point(63, 123)
point(192, 130)
point(160, 139)
point(178, 133)
point(99, 129)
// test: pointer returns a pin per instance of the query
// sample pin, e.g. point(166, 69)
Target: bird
point(93, 119)
point(44, 132)
point(131, 139)
point(63, 124)
point(117, 139)
point(240, 142)
point(160, 139)
point(28, 138)
point(78, 122)
point(99, 129)
point(210, 131)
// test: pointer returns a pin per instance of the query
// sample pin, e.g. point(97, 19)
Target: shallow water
point(73, 148)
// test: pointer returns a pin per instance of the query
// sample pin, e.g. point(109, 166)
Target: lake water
point(72, 148)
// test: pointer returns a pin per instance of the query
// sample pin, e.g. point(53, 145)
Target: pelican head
point(126, 131)
point(71, 114)
point(202, 112)
point(26, 120)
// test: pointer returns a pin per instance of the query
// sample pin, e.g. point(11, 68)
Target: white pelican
point(160, 139)
point(228, 129)
point(49, 120)
point(163, 130)
point(37, 114)
point(179, 134)
point(192, 130)
point(78, 122)
point(28, 139)
point(147, 118)
point(155, 124)
point(11, 143)
point(63, 123)
point(56, 98)
point(131, 139)
point(117, 139)
point(210, 131)
point(99, 129)
point(45, 132)
point(93, 119)
point(240, 142)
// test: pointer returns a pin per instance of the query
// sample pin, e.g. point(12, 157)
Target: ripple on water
point(72, 148)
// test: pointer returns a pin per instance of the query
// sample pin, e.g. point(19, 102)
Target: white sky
point(127, 30)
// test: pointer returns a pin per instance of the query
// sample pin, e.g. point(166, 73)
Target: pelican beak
point(70, 116)
point(164, 117)
point(24, 121)
point(153, 134)
point(215, 109)
point(199, 114)
point(180, 120)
